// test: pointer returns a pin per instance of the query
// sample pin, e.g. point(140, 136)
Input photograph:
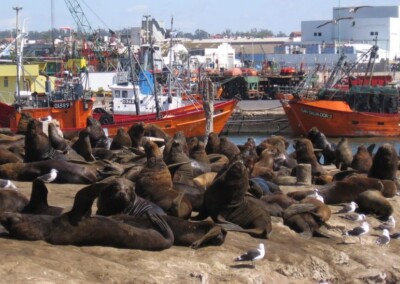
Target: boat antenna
point(137, 106)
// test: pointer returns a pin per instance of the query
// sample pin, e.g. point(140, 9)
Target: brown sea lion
point(118, 196)
point(264, 166)
point(38, 201)
point(136, 133)
point(56, 140)
point(181, 139)
point(83, 147)
point(77, 227)
point(12, 200)
point(225, 201)
point(373, 202)
point(249, 154)
point(320, 141)
point(362, 160)
point(198, 152)
point(305, 155)
point(349, 189)
point(153, 130)
point(37, 144)
point(213, 142)
point(343, 154)
point(155, 184)
point(98, 138)
point(122, 139)
point(6, 156)
point(67, 172)
point(385, 162)
point(228, 148)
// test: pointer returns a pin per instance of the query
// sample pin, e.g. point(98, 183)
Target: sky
point(212, 16)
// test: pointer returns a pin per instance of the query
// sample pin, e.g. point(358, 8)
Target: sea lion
point(264, 166)
point(6, 156)
point(349, 189)
point(12, 200)
point(118, 196)
point(56, 140)
point(154, 183)
point(362, 160)
point(179, 137)
point(320, 141)
point(213, 142)
point(122, 139)
point(153, 130)
point(385, 162)
point(225, 201)
point(305, 155)
point(136, 133)
point(83, 146)
point(249, 154)
point(37, 144)
point(228, 148)
point(343, 154)
point(77, 227)
point(197, 151)
point(98, 138)
point(195, 234)
point(67, 172)
point(373, 202)
point(38, 201)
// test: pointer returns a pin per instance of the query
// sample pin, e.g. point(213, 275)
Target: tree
point(201, 34)
point(281, 34)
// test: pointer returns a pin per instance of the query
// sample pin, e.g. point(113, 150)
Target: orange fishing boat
point(360, 112)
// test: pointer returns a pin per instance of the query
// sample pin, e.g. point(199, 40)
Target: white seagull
point(51, 176)
point(354, 217)
point(6, 183)
point(335, 21)
point(390, 224)
point(252, 254)
point(316, 195)
point(383, 239)
point(359, 231)
point(348, 208)
point(353, 9)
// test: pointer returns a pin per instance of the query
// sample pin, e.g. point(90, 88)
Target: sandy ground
point(289, 257)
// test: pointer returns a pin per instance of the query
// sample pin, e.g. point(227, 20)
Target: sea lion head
point(115, 197)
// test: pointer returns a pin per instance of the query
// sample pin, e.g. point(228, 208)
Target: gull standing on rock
point(390, 224)
point(50, 177)
point(358, 231)
point(348, 208)
point(354, 217)
point(6, 183)
point(252, 254)
point(383, 239)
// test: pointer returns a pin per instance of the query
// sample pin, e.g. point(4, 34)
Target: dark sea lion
point(198, 152)
point(349, 189)
point(67, 172)
point(37, 144)
point(12, 200)
point(305, 155)
point(389, 188)
point(213, 142)
point(225, 201)
point(6, 156)
point(103, 154)
point(264, 166)
point(362, 160)
point(181, 139)
point(98, 138)
point(136, 133)
point(153, 130)
point(56, 140)
point(228, 148)
point(195, 234)
point(38, 201)
point(122, 139)
point(23, 122)
point(385, 162)
point(118, 196)
point(320, 141)
point(343, 154)
point(77, 227)
point(249, 154)
point(154, 183)
point(373, 202)
point(83, 146)
point(14, 140)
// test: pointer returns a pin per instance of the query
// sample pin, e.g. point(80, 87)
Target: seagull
point(359, 231)
point(389, 224)
point(335, 21)
point(348, 208)
point(353, 216)
point(383, 239)
point(51, 176)
point(252, 254)
point(353, 9)
point(316, 195)
point(6, 183)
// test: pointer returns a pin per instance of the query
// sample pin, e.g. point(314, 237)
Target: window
point(5, 82)
point(124, 94)
point(116, 94)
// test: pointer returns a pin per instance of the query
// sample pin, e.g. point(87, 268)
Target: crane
point(86, 29)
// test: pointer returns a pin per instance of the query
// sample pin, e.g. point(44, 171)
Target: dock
point(258, 117)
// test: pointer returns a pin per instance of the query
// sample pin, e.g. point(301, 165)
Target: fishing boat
point(363, 110)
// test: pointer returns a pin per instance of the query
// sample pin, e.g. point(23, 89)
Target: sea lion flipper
point(83, 201)
point(162, 225)
point(38, 194)
point(214, 232)
point(297, 209)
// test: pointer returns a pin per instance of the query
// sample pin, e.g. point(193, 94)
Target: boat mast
point(170, 62)
point(137, 106)
point(155, 89)
point(17, 55)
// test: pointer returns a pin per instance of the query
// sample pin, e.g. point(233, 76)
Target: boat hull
point(336, 119)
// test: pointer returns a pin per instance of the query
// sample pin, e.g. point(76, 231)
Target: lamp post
point(17, 55)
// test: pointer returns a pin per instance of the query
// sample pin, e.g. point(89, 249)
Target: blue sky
point(213, 16)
